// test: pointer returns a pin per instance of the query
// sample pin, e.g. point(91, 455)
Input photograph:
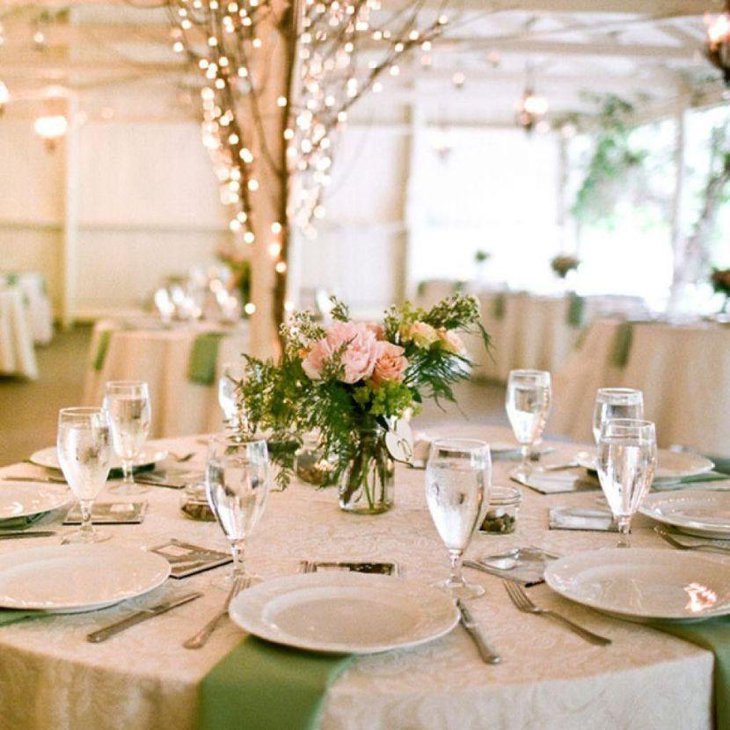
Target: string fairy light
point(338, 49)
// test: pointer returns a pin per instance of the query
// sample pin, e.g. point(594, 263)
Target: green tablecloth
point(263, 686)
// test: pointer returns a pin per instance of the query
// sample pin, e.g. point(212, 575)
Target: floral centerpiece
point(352, 382)
point(563, 264)
point(720, 280)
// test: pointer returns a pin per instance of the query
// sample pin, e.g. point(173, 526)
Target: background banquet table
point(683, 370)
point(530, 330)
point(17, 356)
point(142, 349)
point(33, 286)
point(51, 677)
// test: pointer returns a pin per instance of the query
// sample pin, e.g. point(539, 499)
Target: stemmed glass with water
point(616, 403)
point(458, 478)
point(626, 463)
point(84, 453)
point(237, 485)
point(528, 405)
point(229, 385)
point(128, 404)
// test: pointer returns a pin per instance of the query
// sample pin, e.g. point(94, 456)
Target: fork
point(706, 546)
point(523, 603)
point(199, 640)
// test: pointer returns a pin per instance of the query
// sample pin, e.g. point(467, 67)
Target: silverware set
point(525, 604)
point(199, 640)
point(701, 546)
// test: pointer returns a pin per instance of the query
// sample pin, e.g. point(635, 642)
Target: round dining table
point(184, 393)
point(683, 370)
point(143, 678)
point(17, 356)
point(530, 330)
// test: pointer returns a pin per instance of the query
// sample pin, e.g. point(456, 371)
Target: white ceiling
point(564, 46)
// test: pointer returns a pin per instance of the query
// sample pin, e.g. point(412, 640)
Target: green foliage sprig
point(290, 397)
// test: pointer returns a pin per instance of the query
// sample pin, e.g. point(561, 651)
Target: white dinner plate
point(694, 511)
point(48, 458)
point(671, 465)
point(76, 578)
point(643, 584)
point(348, 613)
point(23, 499)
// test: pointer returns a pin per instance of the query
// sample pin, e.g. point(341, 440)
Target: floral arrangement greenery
point(349, 377)
point(481, 256)
point(240, 268)
point(720, 280)
point(564, 263)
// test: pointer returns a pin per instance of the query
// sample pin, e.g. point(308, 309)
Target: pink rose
point(421, 334)
point(361, 351)
point(451, 342)
point(391, 364)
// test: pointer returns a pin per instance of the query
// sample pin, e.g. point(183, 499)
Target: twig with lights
point(321, 57)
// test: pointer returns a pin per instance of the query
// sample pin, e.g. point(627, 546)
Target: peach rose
point(391, 364)
point(451, 342)
point(361, 351)
point(421, 334)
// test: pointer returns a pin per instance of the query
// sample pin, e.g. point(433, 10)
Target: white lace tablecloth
point(142, 349)
point(683, 371)
point(17, 356)
point(50, 676)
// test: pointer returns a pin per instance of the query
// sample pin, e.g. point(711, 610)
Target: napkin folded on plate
point(203, 358)
point(712, 634)
point(264, 686)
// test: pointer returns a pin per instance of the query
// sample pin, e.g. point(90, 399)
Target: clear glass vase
point(366, 484)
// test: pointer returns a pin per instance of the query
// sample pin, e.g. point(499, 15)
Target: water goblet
point(84, 453)
point(128, 404)
point(237, 486)
point(616, 403)
point(230, 383)
point(626, 464)
point(528, 405)
point(458, 478)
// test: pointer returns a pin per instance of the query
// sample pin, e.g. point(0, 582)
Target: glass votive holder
point(501, 515)
point(194, 503)
point(311, 463)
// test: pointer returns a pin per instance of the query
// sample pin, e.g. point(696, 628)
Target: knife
point(501, 573)
point(488, 655)
point(108, 631)
point(18, 535)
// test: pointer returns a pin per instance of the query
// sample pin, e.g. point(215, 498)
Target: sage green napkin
point(498, 306)
point(18, 523)
point(622, 344)
point(101, 349)
point(576, 311)
point(712, 634)
point(708, 476)
point(263, 686)
point(8, 616)
point(203, 358)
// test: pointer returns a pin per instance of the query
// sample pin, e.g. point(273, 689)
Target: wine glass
point(616, 403)
point(84, 453)
point(229, 384)
point(458, 478)
point(528, 404)
point(626, 464)
point(128, 404)
point(237, 485)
